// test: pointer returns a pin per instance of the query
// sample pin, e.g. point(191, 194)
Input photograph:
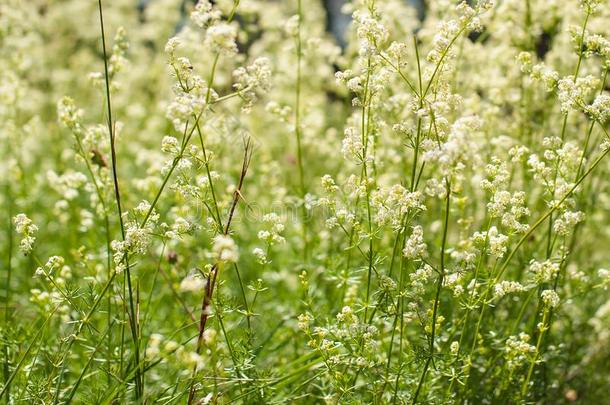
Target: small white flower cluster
point(343, 217)
point(179, 228)
point(393, 203)
point(170, 145)
point(445, 33)
point(117, 60)
point(272, 235)
point(371, 32)
point(453, 281)
point(260, 255)
point(204, 14)
point(153, 347)
point(224, 249)
point(398, 55)
point(192, 283)
point(336, 342)
point(510, 207)
point(539, 72)
point(304, 322)
point(599, 110)
point(558, 169)
point(543, 271)
point(604, 275)
point(460, 149)
point(352, 146)
point(329, 185)
point(454, 348)
point(496, 241)
point(69, 115)
point(192, 93)
point(550, 298)
point(567, 221)
point(48, 300)
point(367, 86)
point(291, 27)
point(448, 31)
point(595, 44)
point(250, 79)
point(497, 175)
point(347, 315)
point(573, 93)
point(590, 6)
point(185, 106)
point(415, 246)
point(420, 278)
point(507, 287)
point(221, 38)
point(26, 228)
point(137, 239)
point(283, 112)
point(67, 184)
point(53, 264)
point(518, 350)
point(161, 347)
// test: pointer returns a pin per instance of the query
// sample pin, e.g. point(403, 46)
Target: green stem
point(297, 118)
point(115, 180)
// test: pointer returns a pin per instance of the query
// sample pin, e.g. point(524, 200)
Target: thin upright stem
point(297, 130)
point(117, 193)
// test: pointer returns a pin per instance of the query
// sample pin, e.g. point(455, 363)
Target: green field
point(238, 202)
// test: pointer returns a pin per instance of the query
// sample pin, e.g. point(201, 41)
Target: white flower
point(328, 183)
point(550, 298)
point(260, 255)
point(69, 115)
point(204, 14)
point(393, 203)
point(397, 51)
point(221, 38)
point(304, 321)
point(192, 283)
point(543, 271)
point(26, 228)
point(252, 78)
point(142, 208)
point(170, 144)
point(371, 32)
point(352, 146)
point(497, 242)
point(415, 246)
point(224, 249)
point(170, 48)
point(292, 26)
point(518, 350)
point(454, 347)
point(525, 60)
point(507, 287)
point(600, 108)
point(573, 93)
point(275, 227)
point(184, 107)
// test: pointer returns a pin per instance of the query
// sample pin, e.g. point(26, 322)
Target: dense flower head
point(27, 229)
point(224, 249)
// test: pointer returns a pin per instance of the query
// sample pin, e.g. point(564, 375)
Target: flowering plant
point(225, 202)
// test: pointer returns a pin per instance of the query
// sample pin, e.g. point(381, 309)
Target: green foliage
point(215, 203)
